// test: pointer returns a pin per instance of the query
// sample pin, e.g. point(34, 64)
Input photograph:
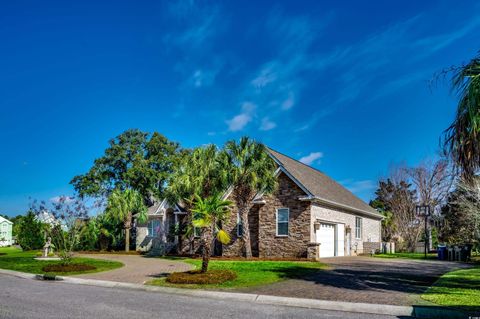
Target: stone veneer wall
point(262, 221)
point(234, 249)
point(370, 231)
point(296, 243)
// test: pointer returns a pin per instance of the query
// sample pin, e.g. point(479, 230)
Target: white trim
point(334, 204)
point(360, 228)
point(276, 222)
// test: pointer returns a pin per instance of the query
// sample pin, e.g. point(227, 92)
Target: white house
point(5, 232)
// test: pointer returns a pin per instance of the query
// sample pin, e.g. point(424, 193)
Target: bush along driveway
point(18, 260)
point(364, 279)
point(249, 272)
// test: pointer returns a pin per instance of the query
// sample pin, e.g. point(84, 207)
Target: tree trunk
point(206, 251)
point(128, 225)
point(247, 245)
point(127, 240)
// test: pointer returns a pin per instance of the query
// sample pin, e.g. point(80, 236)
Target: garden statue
point(47, 247)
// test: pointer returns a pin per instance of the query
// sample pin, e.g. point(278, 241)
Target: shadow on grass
point(451, 312)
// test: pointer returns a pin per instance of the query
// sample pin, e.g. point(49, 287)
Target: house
point(309, 216)
point(5, 232)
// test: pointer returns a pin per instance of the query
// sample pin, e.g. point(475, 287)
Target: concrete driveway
point(138, 269)
point(365, 279)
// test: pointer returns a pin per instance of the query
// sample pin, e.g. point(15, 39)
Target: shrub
point(30, 233)
point(68, 268)
point(199, 278)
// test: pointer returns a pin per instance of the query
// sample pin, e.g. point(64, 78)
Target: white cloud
point(289, 102)
point(267, 124)
point(239, 121)
point(311, 158)
point(202, 78)
point(265, 77)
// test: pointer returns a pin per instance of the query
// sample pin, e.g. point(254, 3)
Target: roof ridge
point(316, 169)
point(355, 201)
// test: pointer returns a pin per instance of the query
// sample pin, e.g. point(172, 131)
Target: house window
point(358, 227)
point(239, 226)
point(153, 227)
point(197, 231)
point(282, 221)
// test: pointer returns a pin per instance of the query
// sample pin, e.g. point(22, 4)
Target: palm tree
point(208, 214)
point(250, 171)
point(122, 205)
point(462, 138)
point(200, 173)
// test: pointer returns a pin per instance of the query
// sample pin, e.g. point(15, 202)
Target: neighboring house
point(5, 232)
point(309, 215)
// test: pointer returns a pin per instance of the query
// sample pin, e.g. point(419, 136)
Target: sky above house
point(344, 86)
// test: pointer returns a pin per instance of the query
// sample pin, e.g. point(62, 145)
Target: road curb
point(221, 295)
point(431, 312)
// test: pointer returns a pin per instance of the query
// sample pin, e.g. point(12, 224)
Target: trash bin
point(442, 252)
point(466, 252)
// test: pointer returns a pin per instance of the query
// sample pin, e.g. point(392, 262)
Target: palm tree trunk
point(246, 231)
point(206, 251)
point(127, 240)
point(128, 225)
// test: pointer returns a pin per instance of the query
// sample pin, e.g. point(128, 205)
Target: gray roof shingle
point(320, 185)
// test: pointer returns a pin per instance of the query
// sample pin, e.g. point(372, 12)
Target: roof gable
point(320, 186)
point(4, 220)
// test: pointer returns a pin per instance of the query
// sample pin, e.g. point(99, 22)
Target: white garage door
point(326, 238)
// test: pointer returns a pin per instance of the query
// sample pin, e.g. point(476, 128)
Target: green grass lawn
point(459, 289)
point(18, 260)
point(407, 255)
point(250, 273)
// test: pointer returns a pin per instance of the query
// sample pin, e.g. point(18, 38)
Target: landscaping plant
point(199, 173)
point(30, 232)
point(250, 171)
point(122, 205)
point(208, 214)
point(462, 138)
point(68, 215)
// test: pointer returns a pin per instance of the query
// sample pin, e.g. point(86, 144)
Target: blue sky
point(343, 86)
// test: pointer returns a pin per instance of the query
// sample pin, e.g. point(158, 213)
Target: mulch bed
point(68, 268)
point(196, 277)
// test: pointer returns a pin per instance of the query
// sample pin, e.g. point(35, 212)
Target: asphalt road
point(24, 298)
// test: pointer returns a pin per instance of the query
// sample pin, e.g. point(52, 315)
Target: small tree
point(30, 232)
point(208, 214)
point(467, 203)
point(122, 205)
point(68, 216)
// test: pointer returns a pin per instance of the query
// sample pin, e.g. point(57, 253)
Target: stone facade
point(235, 247)
point(263, 227)
point(370, 229)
